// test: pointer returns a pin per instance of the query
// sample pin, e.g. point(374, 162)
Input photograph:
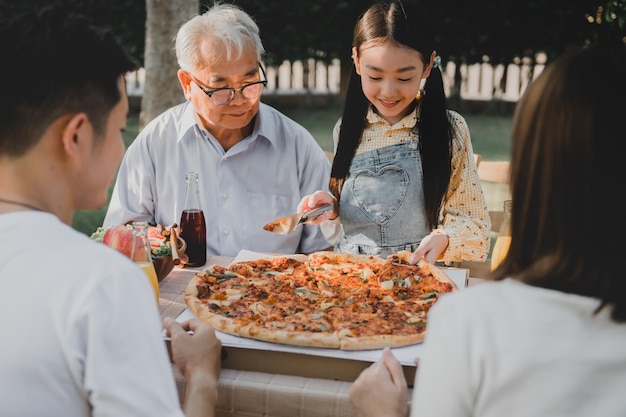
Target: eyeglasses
point(224, 95)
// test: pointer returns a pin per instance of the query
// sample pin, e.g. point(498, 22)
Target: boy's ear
point(76, 132)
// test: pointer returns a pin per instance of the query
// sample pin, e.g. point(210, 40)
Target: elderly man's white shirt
point(261, 178)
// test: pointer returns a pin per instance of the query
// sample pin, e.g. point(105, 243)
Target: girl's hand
point(430, 248)
point(315, 200)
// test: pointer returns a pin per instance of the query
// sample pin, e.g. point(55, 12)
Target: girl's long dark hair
point(408, 26)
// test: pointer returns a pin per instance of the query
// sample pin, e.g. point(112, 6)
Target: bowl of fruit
point(161, 238)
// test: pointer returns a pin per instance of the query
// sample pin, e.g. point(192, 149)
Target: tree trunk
point(345, 70)
point(162, 89)
point(454, 100)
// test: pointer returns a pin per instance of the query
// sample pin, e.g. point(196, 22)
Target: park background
point(490, 51)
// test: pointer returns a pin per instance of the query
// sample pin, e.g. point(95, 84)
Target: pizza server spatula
point(288, 224)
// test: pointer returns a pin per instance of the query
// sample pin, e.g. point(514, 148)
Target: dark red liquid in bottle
point(193, 230)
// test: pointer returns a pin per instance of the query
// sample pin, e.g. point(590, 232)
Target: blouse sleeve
point(464, 217)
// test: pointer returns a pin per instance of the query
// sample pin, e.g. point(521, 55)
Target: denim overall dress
point(382, 202)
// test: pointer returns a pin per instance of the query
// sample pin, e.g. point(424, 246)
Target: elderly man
point(254, 163)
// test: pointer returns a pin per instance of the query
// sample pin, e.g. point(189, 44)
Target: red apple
point(119, 237)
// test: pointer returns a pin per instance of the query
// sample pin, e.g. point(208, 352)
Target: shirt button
point(225, 196)
point(226, 232)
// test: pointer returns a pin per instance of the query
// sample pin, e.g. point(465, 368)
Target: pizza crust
point(436, 272)
point(336, 257)
point(199, 308)
point(319, 340)
point(380, 342)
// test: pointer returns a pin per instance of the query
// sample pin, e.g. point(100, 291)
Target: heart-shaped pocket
point(380, 194)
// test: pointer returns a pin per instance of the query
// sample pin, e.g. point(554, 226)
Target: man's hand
point(198, 357)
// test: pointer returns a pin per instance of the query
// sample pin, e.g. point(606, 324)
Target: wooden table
point(251, 387)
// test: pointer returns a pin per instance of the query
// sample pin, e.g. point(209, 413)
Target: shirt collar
point(407, 121)
point(261, 129)
point(187, 121)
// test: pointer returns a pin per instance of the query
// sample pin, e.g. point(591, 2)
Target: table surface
point(250, 386)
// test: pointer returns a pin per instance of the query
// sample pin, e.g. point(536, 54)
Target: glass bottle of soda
point(192, 223)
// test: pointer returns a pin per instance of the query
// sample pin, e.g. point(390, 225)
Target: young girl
point(403, 173)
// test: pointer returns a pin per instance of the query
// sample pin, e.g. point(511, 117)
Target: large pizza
point(325, 299)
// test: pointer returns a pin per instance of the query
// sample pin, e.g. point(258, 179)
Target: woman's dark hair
point(565, 172)
point(407, 26)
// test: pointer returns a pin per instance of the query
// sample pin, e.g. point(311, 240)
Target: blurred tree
point(611, 21)
point(467, 31)
point(320, 29)
point(126, 18)
point(162, 89)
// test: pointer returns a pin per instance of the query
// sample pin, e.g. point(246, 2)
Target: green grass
point(491, 135)
point(490, 138)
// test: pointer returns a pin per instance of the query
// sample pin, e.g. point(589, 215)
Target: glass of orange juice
point(148, 269)
point(500, 250)
point(141, 254)
point(503, 241)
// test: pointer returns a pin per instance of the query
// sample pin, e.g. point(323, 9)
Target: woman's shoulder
point(482, 296)
point(510, 295)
